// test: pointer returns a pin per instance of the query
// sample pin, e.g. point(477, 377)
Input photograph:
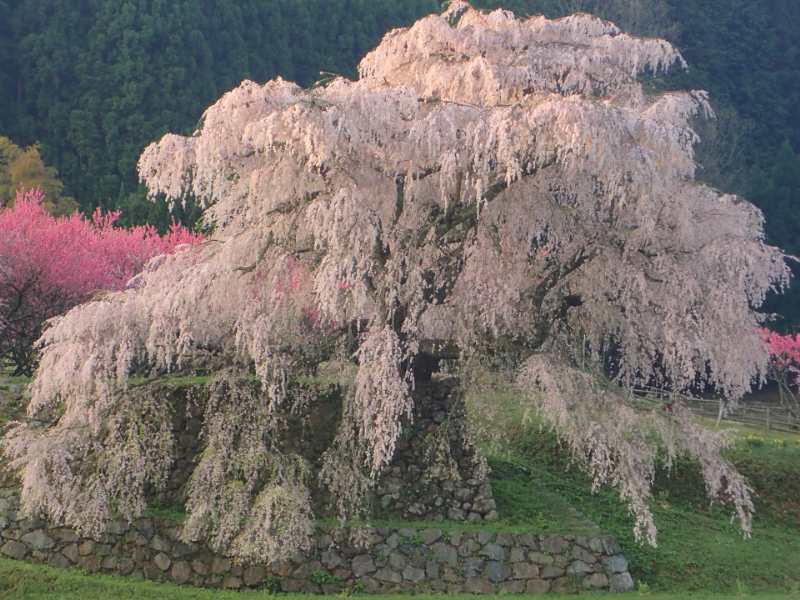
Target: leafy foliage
point(23, 169)
point(95, 82)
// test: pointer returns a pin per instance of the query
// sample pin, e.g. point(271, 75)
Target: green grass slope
point(22, 581)
point(699, 548)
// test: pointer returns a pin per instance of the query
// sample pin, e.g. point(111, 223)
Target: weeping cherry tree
point(487, 183)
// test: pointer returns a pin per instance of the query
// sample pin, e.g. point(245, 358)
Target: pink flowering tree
point(784, 364)
point(48, 265)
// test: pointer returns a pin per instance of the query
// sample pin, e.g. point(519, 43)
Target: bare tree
point(486, 180)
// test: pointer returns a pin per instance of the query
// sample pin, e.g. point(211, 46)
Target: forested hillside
point(95, 81)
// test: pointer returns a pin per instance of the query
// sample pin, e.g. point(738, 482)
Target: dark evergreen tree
point(6, 50)
point(778, 195)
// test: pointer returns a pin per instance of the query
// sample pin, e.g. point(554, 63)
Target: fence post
point(768, 427)
point(719, 415)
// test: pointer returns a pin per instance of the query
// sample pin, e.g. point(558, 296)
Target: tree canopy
point(745, 53)
point(486, 183)
point(23, 169)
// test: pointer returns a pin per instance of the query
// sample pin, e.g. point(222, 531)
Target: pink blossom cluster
point(48, 265)
point(784, 351)
point(784, 360)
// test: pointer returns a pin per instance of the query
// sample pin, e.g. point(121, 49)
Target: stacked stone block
point(408, 490)
point(389, 560)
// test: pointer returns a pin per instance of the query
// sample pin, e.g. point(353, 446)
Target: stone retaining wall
point(390, 561)
point(415, 486)
point(412, 487)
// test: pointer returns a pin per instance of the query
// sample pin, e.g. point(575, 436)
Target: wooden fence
point(770, 417)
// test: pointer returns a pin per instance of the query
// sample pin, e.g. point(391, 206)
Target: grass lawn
point(24, 581)
point(699, 548)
